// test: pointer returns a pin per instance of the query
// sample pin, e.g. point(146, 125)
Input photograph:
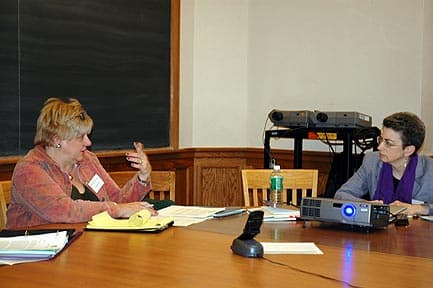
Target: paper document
point(189, 211)
point(30, 248)
point(278, 214)
point(290, 248)
point(187, 215)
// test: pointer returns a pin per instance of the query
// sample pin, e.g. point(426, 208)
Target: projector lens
point(349, 210)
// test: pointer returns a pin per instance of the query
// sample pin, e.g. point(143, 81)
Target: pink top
point(41, 191)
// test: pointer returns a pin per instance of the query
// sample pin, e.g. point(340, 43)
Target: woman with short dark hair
point(395, 174)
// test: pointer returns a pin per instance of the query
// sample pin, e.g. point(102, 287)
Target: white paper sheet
point(290, 248)
point(187, 215)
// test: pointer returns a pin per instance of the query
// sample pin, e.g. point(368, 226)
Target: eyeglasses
point(386, 142)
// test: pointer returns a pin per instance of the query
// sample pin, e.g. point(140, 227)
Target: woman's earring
point(405, 162)
point(58, 146)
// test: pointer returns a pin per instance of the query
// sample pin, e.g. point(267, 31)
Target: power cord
point(365, 138)
point(311, 273)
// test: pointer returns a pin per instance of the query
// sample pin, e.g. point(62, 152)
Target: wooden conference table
point(200, 256)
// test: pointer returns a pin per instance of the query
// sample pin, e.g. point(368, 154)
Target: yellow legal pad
point(141, 221)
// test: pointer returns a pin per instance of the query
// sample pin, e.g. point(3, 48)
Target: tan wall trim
point(205, 176)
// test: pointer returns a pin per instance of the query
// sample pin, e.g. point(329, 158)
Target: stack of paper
point(278, 214)
point(187, 215)
point(31, 248)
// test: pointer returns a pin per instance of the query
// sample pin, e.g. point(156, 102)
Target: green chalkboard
point(112, 55)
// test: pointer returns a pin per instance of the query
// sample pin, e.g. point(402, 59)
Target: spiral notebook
point(21, 246)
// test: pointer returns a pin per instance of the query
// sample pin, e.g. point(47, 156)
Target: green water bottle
point(276, 186)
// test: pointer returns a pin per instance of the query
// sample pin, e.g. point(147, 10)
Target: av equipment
point(338, 211)
point(319, 119)
point(348, 136)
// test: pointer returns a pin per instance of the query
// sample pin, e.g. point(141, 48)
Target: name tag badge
point(96, 183)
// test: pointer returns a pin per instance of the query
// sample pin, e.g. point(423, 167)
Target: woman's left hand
point(140, 161)
point(412, 209)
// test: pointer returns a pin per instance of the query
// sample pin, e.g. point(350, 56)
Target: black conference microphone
point(245, 245)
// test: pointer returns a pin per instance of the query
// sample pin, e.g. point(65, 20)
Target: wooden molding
point(205, 176)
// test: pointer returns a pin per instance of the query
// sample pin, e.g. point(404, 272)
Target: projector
point(319, 119)
point(339, 211)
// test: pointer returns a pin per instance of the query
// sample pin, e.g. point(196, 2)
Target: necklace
point(75, 165)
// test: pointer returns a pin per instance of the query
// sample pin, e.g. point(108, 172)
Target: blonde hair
point(67, 120)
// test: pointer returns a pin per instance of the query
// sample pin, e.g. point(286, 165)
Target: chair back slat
point(297, 183)
point(5, 199)
point(163, 183)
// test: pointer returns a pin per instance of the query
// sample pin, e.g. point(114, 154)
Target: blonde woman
point(60, 181)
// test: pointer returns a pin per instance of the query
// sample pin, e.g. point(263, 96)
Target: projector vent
point(309, 211)
point(311, 202)
point(310, 207)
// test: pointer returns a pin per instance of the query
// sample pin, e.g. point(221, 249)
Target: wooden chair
point(297, 183)
point(5, 198)
point(163, 183)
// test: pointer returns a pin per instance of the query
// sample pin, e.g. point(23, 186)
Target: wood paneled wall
point(206, 176)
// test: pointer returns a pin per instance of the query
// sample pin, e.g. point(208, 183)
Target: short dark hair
point(410, 126)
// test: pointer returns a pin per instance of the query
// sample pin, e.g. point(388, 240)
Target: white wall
point(242, 58)
point(427, 79)
point(213, 96)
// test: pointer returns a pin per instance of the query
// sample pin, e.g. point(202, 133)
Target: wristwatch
point(143, 182)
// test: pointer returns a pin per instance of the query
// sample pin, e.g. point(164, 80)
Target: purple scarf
point(385, 185)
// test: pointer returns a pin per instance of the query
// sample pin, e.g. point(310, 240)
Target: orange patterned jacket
point(41, 191)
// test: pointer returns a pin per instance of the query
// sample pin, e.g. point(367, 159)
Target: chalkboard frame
point(174, 84)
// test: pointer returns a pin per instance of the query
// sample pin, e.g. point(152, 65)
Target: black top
point(396, 182)
point(87, 195)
